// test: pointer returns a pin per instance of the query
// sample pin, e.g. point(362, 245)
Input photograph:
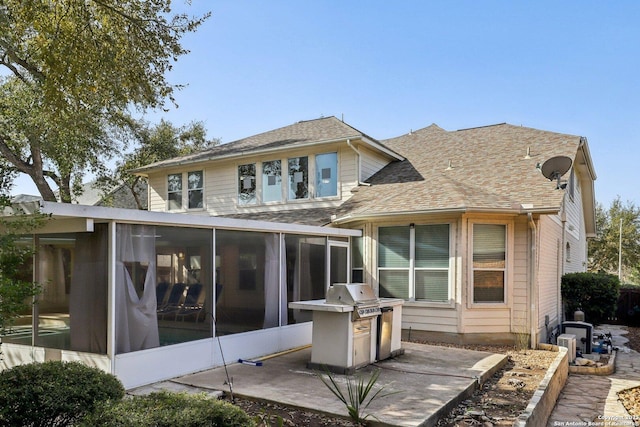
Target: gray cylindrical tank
point(578, 316)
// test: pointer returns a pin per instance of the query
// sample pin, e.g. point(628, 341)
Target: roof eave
point(143, 171)
point(516, 210)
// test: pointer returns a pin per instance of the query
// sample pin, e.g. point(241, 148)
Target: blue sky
point(391, 66)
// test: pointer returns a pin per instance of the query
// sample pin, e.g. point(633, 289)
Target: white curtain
point(88, 299)
point(136, 318)
point(271, 280)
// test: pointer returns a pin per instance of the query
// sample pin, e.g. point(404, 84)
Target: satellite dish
point(554, 168)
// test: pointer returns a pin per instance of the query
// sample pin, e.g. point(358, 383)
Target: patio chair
point(192, 304)
point(174, 300)
point(161, 293)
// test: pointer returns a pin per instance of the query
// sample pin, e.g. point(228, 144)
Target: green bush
point(596, 294)
point(165, 409)
point(53, 393)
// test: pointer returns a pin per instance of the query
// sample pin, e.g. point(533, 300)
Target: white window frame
point(508, 268)
point(412, 268)
point(184, 189)
point(256, 198)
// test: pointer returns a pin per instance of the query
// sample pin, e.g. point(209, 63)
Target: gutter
point(358, 164)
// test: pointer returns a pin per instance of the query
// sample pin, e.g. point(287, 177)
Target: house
point(462, 225)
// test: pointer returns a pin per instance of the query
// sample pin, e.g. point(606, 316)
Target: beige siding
point(575, 236)
point(157, 193)
point(348, 164)
point(220, 191)
point(429, 319)
point(495, 320)
point(548, 273)
point(370, 163)
point(520, 318)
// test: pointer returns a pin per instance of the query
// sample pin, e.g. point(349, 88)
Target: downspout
point(533, 288)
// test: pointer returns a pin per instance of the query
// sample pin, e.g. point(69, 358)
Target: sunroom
point(151, 295)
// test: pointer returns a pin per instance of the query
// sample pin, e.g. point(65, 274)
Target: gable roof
point(301, 134)
point(485, 169)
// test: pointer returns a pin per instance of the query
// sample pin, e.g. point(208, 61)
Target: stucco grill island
point(352, 328)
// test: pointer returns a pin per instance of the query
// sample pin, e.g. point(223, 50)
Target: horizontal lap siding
point(429, 319)
point(157, 193)
point(220, 189)
point(521, 266)
point(548, 275)
point(370, 163)
point(495, 320)
point(348, 163)
point(575, 232)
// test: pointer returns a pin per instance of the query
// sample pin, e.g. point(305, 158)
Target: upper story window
point(413, 262)
point(247, 184)
point(272, 181)
point(174, 191)
point(195, 185)
point(489, 263)
point(298, 178)
point(195, 193)
point(326, 175)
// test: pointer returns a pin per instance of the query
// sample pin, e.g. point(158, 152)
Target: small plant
point(267, 419)
point(358, 395)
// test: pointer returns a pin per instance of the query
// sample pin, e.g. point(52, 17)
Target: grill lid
point(351, 294)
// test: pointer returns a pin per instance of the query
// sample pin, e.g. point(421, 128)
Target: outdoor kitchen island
point(352, 328)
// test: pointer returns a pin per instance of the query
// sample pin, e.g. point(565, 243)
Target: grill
point(358, 295)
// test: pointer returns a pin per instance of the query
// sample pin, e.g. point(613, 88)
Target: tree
point(76, 68)
point(604, 250)
point(155, 143)
point(16, 285)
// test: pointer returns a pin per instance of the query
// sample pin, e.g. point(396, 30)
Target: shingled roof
point(300, 134)
point(490, 168)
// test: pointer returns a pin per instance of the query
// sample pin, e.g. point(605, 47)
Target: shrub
point(53, 393)
point(166, 409)
point(595, 294)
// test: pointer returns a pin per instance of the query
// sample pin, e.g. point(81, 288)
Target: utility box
point(568, 341)
point(583, 332)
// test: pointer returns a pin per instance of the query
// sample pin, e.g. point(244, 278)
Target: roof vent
point(528, 156)
point(450, 167)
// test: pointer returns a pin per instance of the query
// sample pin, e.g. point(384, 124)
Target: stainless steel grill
point(358, 295)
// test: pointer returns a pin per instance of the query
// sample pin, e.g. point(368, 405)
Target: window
point(298, 178)
point(195, 184)
point(174, 191)
point(327, 175)
point(247, 184)
point(413, 262)
point(272, 181)
point(432, 262)
point(357, 260)
point(489, 263)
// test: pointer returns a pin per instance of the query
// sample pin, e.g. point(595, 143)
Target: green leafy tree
point(155, 143)
point(75, 67)
point(16, 285)
point(604, 250)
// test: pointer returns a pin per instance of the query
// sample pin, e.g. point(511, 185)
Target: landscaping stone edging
point(607, 369)
point(544, 399)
